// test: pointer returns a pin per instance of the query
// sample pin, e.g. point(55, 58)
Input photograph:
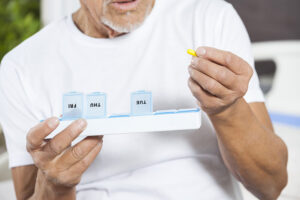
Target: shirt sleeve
point(16, 113)
point(236, 40)
point(227, 32)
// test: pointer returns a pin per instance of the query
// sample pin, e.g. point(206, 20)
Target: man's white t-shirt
point(166, 165)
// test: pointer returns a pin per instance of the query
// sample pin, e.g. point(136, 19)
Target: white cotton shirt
point(164, 165)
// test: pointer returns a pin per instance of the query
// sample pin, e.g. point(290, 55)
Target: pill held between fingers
point(191, 52)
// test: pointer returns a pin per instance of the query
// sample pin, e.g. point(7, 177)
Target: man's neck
point(87, 25)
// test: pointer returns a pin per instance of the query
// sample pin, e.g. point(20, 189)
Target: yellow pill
point(191, 52)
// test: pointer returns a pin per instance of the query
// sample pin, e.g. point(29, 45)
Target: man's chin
point(121, 28)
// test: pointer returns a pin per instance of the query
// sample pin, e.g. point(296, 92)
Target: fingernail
point(193, 61)
point(190, 83)
point(53, 122)
point(100, 141)
point(201, 51)
point(81, 123)
point(190, 70)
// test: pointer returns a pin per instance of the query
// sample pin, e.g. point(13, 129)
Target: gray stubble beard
point(119, 28)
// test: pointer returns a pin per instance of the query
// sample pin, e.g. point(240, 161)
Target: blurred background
point(274, 29)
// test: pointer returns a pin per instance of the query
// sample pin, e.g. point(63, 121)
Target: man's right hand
point(60, 166)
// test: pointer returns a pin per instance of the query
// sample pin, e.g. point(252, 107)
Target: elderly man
point(119, 46)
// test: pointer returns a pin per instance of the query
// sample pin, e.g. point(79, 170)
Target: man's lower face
point(125, 15)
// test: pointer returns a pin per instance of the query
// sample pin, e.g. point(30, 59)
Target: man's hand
point(218, 79)
point(251, 150)
point(60, 166)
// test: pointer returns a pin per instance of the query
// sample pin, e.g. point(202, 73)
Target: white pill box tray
point(168, 120)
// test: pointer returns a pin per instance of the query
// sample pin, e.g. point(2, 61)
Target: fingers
point(224, 58)
point(37, 134)
point(208, 84)
point(78, 152)
point(81, 166)
point(199, 93)
point(215, 71)
point(207, 101)
point(64, 139)
point(218, 78)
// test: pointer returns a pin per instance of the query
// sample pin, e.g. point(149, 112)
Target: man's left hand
point(218, 79)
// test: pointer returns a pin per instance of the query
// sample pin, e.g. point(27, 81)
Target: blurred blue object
point(291, 120)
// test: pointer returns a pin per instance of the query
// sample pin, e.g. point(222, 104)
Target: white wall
point(56, 9)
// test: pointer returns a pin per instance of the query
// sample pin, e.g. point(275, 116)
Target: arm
point(249, 147)
point(29, 186)
point(24, 180)
point(251, 150)
point(58, 165)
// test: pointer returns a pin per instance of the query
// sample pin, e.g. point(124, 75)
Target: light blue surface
point(281, 118)
point(119, 115)
point(95, 105)
point(188, 110)
point(73, 105)
point(165, 112)
point(141, 103)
